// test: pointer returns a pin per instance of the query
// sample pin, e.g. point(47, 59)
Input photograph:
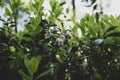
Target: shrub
point(46, 50)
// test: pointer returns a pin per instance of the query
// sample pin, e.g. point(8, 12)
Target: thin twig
point(15, 20)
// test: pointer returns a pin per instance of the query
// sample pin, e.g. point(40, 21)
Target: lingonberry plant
point(46, 50)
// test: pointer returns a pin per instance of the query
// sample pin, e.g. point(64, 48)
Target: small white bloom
point(68, 33)
point(60, 41)
point(48, 35)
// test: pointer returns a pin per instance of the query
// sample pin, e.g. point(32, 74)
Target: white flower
point(48, 35)
point(60, 41)
point(62, 37)
point(68, 33)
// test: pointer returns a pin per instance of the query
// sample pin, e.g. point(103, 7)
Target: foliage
point(45, 50)
point(102, 45)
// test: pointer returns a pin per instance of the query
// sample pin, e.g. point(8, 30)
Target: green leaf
point(95, 7)
point(35, 22)
point(40, 2)
point(82, 26)
point(15, 4)
point(93, 1)
point(27, 35)
point(28, 28)
point(67, 10)
point(61, 51)
point(1, 3)
point(109, 29)
point(52, 3)
point(25, 76)
point(2, 29)
point(58, 11)
point(7, 11)
point(38, 30)
point(12, 48)
point(115, 34)
point(62, 3)
point(97, 17)
point(74, 29)
point(97, 76)
point(32, 64)
point(42, 74)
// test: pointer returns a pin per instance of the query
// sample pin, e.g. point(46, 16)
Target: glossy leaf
point(1, 3)
point(38, 30)
point(93, 1)
point(25, 76)
point(32, 64)
point(95, 7)
point(62, 3)
point(114, 34)
point(42, 74)
point(110, 29)
point(7, 11)
point(40, 2)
